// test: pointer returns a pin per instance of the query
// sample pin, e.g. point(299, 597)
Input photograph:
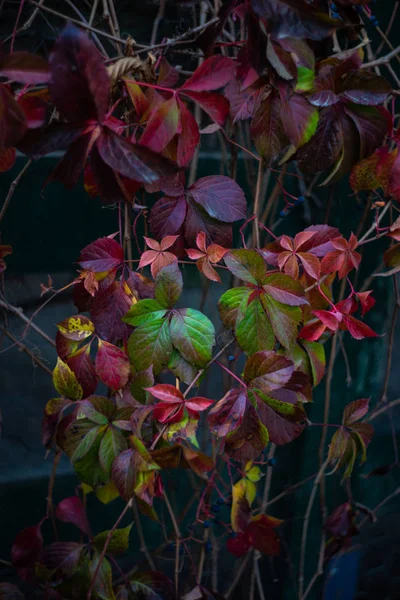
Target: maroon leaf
point(123, 474)
point(25, 67)
point(189, 137)
point(109, 184)
point(215, 105)
point(198, 220)
point(62, 557)
point(42, 141)
point(167, 216)
point(82, 365)
point(239, 544)
point(35, 110)
point(70, 167)
point(364, 87)
point(215, 72)
point(355, 411)
point(227, 415)
point(324, 147)
point(71, 510)
point(112, 365)
point(266, 127)
point(161, 126)
point(12, 119)
point(268, 371)
point(221, 197)
point(79, 82)
point(134, 161)
point(295, 19)
point(284, 421)
point(241, 101)
point(263, 536)
point(102, 255)
point(372, 123)
point(107, 310)
point(284, 289)
point(27, 547)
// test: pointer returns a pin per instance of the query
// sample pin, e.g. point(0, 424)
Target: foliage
point(137, 130)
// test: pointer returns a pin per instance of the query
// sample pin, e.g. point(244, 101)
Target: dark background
point(47, 229)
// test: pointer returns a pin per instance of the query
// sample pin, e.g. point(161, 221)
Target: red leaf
point(102, 255)
point(35, 110)
point(79, 82)
point(215, 72)
point(189, 137)
point(7, 159)
point(331, 320)
point(42, 141)
point(71, 510)
point(12, 120)
point(221, 197)
point(82, 365)
point(166, 393)
point(134, 161)
point(168, 76)
point(239, 544)
point(112, 365)
point(27, 547)
point(262, 534)
point(215, 105)
point(25, 67)
point(357, 329)
point(161, 126)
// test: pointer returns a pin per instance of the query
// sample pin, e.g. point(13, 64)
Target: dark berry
point(272, 462)
point(206, 524)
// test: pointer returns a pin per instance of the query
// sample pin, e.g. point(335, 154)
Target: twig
point(157, 21)
point(389, 27)
point(382, 503)
point(106, 543)
point(178, 39)
point(25, 349)
point(388, 406)
point(305, 528)
point(268, 480)
point(12, 188)
point(20, 314)
point(79, 23)
point(84, 22)
point(238, 575)
point(143, 545)
point(383, 60)
point(178, 537)
point(258, 578)
point(200, 373)
point(257, 203)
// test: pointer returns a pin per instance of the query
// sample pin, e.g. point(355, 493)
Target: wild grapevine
point(128, 124)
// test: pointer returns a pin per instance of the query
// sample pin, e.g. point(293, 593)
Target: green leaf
point(143, 311)
point(88, 468)
point(168, 285)
point(97, 409)
point(305, 79)
point(65, 381)
point(86, 442)
point(112, 444)
point(254, 331)
point(290, 412)
point(247, 265)
point(316, 356)
point(103, 587)
point(119, 542)
point(283, 319)
point(140, 381)
point(150, 344)
point(232, 306)
point(182, 369)
point(151, 585)
point(192, 333)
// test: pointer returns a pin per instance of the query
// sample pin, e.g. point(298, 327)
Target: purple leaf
point(62, 557)
point(266, 127)
point(102, 255)
point(82, 365)
point(295, 18)
point(71, 510)
point(364, 87)
point(326, 144)
point(79, 82)
point(42, 141)
point(221, 197)
point(167, 216)
point(134, 161)
point(25, 67)
point(70, 167)
point(215, 105)
point(373, 123)
point(268, 371)
point(27, 547)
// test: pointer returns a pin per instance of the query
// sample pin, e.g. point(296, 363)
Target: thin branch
point(305, 528)
point(257, 203)
point(178, 537)
point(25, 349)
point(388, 406)
point(238, 575)
point(12, 188)
point(383, 60)
point(157, 21)
point(180, 38)
point(106, 543)
point(20, 314)
point(143, 545)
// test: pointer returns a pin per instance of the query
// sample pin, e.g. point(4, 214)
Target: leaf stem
point(257, 203)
